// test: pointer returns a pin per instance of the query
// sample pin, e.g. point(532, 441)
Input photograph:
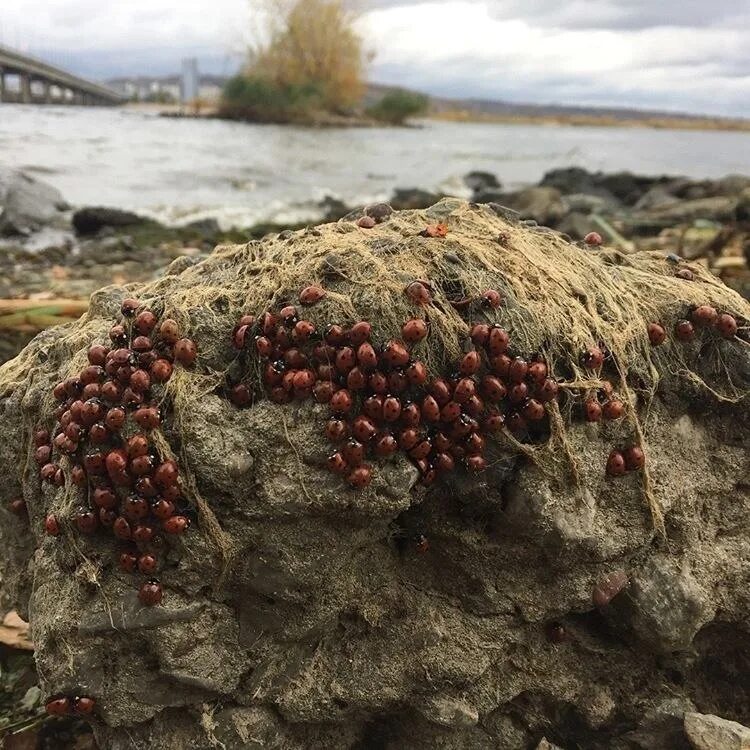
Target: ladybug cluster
point(703, 316)
point(103, 419)
point(381, 397)
point(62, 705)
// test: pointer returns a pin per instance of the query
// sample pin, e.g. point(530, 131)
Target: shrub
point(397, 106)
point(262, 100)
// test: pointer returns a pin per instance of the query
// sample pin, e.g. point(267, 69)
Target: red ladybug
point(476, 463)
point(372, 406)
point(684, 330)
point(616, 464)
point(430, 409)
point(548, 390)
point(492, 298)
point(366, 356)
point(411, 415)
point(464, 390)
point(311, 294)
point(337, 464)
point(635, 458)
point(441, 391)
point(518, 393)
point(360, 332)
point(414, 330)
point(58, 706)
point(51, 526)
point(656, 334)
point(416, 373)
point(592, 358)
point(360, 477)
point(726, 325)
point(498, 340)
point(408, 438)
point(418, 293)
point(150, 593)
point(533, 410)
point(83, 705)
point(613, 409)
point(396, 354)
point(336, 430)
point(346, 359)
point(185, 352)
point(470, 363)
point(592, 410)
point(353, 452)
point(391, 409)
point(480, 334)
point(341, 402)
point(363, 429)
point(450, 412)
point(385, 445)
point(704, 315)
point(175, 525)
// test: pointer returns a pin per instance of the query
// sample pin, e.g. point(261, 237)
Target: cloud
point(603, 14)
point(467, 48)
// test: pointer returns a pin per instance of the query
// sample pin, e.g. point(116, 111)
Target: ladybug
point(391, 409)
point(413, 331)
point(616, 464)
point(656, 334)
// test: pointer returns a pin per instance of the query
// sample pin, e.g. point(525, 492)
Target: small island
point(311, 71)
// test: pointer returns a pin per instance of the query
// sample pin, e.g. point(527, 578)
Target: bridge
point(37, 82)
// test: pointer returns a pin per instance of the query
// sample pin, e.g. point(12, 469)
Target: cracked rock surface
point(323, 626)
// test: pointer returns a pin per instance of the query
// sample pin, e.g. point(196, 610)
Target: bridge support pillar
point(2, 85)
point(25, 88)
point(47, 92)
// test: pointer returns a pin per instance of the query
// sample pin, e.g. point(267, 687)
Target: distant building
point(167, 89)
point(189, 83)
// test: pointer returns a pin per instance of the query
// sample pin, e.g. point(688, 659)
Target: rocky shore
point(50, 250)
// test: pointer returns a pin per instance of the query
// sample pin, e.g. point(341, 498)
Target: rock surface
point(27, 204)
point(714, 733)
point(91, 220)
point(318, 622)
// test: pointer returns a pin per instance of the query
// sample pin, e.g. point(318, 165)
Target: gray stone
point(542, 204)
point(708, 732)
point(27, 204)
point(664, 606)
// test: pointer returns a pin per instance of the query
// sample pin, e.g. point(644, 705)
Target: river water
point(180, 170)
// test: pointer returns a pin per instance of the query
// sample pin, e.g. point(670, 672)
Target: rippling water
point(180, 170)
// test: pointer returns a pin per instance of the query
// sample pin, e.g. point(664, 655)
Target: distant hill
point(499, 110)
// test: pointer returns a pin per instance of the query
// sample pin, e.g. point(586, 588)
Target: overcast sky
point(689, 55)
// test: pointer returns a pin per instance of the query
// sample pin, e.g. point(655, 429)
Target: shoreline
point(596, 121)
point(708, 124)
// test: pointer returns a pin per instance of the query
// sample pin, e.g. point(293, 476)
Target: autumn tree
point(312, 44)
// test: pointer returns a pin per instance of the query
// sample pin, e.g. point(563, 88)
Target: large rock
point(91, 220)
point(707, 732)
point(541, 204)
point(28, 204)
point(482, 611)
